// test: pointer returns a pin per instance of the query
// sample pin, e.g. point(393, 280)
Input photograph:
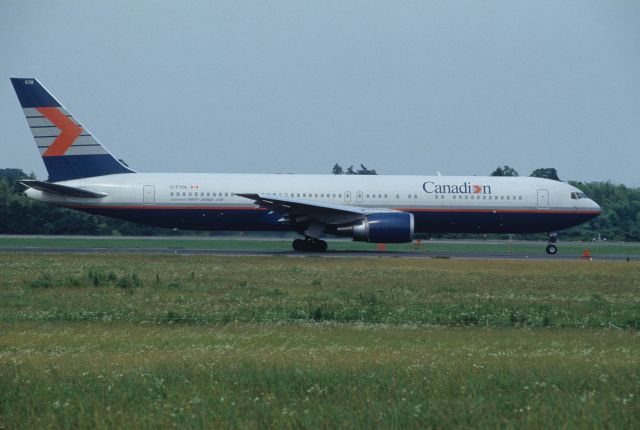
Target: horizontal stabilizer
point(61, 190)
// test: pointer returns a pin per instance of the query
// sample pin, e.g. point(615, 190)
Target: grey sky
point(295, 86)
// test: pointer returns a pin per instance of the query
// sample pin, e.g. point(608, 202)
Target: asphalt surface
point(328, 254)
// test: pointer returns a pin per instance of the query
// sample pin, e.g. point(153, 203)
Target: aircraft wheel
point(552, 249)
point(298, 245)
point(321, 246)
point(309, 245)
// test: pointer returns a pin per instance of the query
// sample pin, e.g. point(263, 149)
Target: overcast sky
point(458, 87)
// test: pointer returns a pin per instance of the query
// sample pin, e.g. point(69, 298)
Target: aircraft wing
point(301, 211)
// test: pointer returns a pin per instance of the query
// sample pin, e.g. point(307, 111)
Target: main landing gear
point(552, 248)
point(309, 244)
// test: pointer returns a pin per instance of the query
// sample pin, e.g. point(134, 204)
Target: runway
point(328, 254)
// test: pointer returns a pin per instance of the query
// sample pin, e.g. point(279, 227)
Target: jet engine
point(382, 227)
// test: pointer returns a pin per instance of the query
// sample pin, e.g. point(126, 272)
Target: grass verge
point(144, 341)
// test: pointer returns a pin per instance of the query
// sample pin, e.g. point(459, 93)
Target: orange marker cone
point(586, 254)
point(381, 247)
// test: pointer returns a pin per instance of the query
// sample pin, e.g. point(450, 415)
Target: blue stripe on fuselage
point(498, 222)
point(253, 219)
point(199, 219)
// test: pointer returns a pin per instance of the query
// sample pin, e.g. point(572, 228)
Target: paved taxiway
point(329, 254)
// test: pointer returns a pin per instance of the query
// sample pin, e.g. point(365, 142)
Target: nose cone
point(593, 208)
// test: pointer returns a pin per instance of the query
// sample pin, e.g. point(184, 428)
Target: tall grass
point(205, 342)
point(204, 290)
point(311, 376)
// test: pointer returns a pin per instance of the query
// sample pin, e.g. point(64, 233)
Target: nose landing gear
point(552, 248)
point(309, 244)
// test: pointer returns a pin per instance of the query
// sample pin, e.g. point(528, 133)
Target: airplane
point(85, 176)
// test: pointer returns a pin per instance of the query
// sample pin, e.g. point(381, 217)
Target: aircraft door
point(149, 195)
point(358, 196)
point(347, 196)
point(543, 199)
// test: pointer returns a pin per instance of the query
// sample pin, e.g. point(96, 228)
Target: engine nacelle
point(382, 227)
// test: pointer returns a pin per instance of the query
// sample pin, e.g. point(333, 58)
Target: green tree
point(337, 170)
point(620, 218)
point(504, 171)
point(364, 171)
point(546, 172)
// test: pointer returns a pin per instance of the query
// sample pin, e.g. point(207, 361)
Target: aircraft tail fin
point(68, 150)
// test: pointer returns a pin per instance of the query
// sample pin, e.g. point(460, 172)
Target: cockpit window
point(578, 195)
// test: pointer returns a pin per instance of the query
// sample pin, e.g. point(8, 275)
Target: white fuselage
point(456, 198)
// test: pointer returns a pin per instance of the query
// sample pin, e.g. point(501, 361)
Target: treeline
point(21, 215)
point(620, 218)
point(338, 170)
point(543, 172)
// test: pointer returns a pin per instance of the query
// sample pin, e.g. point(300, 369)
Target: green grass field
point(146, 341)
point(221, 243)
